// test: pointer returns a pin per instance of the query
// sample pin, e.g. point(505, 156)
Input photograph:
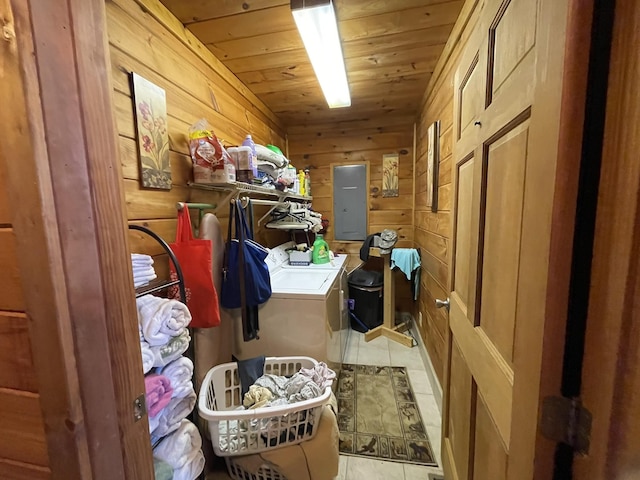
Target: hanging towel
point(408, 261)
point(161, 318)
point(182, 451)
point(162, 470)
point(168, 420)
point(157, 393)
point(165, 354)
point(179, 373)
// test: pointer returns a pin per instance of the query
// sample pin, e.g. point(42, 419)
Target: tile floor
point(382, 351)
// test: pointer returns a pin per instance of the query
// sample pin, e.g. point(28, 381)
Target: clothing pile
point(169, 392)
point(143, 271)
point(295, 216)
point(272, 168)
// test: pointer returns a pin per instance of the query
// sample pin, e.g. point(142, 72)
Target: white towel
point(165, 354)
point(141, 280)
point(191, 469)
point(179, 372)
point(141, 259)
point(161, 318)
point(148, 358)
point(168, 420)
point(182, 450)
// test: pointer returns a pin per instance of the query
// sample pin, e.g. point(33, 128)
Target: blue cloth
point(408, 261)
point(249, 371)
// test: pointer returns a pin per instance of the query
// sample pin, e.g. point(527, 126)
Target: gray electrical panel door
point(350, 202)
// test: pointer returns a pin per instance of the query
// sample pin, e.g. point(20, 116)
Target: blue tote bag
point(244, 265)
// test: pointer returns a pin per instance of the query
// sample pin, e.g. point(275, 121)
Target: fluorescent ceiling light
point(316, 22)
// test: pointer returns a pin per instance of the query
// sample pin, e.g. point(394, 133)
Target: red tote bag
point(194, 257)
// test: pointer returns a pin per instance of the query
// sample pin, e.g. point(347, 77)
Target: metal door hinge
point(139, 408)
point(566, 420)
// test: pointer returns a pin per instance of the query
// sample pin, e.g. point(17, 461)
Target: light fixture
point(316, 22)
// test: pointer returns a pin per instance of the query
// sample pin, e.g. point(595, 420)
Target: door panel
point(471, 97)
point(494, 269)
point(464, 189)
point(503, 190)
point(490, 459)
point(512, 35)
point(458, 431)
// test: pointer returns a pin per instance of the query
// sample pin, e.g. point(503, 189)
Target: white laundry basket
point(264, 472)
point(244, 432)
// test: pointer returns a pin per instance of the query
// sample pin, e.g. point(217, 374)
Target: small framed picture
point(433, 159)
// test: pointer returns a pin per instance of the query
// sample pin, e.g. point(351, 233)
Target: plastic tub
point(244, 432)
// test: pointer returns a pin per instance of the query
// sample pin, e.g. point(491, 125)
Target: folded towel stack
point(169, 418)
point(161, 319)
point(158, 393)
point(182, 450)
point(143, 271)
point(179, 373)
point(170, 394)
point(165, 354)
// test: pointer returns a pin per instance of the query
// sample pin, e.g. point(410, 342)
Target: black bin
point(365, 289)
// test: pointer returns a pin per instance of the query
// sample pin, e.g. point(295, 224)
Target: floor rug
point(378, 415)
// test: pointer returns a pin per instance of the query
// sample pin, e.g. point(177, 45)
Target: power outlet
point(420, 318)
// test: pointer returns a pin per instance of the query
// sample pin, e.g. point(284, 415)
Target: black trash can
point(365, 289)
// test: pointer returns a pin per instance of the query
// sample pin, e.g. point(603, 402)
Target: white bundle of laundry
point(143, 271)
point(182, 450)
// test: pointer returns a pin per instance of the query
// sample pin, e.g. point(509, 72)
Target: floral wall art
point(153, 138)
point(433, 159)
point(390, 175)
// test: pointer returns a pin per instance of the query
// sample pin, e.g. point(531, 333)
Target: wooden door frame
point(609, 376)
point(64, 185)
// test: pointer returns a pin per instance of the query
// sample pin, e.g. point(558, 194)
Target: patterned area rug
point(378, 415)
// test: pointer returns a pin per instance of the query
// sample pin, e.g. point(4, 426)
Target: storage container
point(365, 289)
point(265, 472)
point(244, 432)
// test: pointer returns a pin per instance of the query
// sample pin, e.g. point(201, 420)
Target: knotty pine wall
point(321, 146)
point(144, 37)
point(433, 230)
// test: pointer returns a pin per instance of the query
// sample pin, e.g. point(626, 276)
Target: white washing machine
point(303, 315)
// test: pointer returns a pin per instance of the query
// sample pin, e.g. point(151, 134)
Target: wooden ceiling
point(390, 48)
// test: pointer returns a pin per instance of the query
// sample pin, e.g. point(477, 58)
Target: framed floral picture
point(152, 137)
point(433, 159)
point(390, 175)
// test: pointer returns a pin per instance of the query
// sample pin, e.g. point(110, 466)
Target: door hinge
point(566, 420)
point(139, 408)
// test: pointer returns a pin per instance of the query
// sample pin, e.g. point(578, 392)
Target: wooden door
point(506, 121)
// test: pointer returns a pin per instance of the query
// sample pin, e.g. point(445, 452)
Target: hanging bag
point(194, 257)
point(244, 258)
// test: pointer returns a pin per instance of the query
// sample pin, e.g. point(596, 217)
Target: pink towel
point(158, 393)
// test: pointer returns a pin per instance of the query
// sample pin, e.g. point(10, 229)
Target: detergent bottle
point(301, 183)
point(320, 251)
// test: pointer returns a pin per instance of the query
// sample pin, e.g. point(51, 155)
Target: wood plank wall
point(432, 231)
point(23, 447)
point(319, 146)
point(144, 37)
